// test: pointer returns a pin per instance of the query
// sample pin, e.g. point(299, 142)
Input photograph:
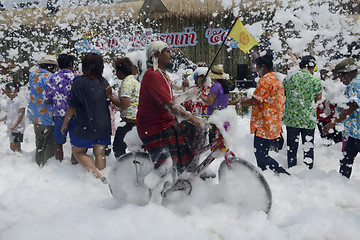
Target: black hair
point(11, 86)
point(307, 62)
point(266, 60)
point(93, 66)
point(124, 65)
point(224, 85)
point(64, 60)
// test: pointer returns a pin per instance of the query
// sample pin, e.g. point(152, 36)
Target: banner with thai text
point(187, 38)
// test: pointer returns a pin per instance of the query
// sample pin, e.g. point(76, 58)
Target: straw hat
point(346, 65)
point(49, 59)
point(217, 72)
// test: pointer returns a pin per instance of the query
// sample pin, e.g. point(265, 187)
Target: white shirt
point(12, 109)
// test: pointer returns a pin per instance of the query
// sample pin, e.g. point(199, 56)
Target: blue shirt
point(39, 112)
point(352, 123)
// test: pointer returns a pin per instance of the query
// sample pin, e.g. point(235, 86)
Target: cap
point(346, 65)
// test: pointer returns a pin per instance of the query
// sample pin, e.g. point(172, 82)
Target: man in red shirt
point(171, 145)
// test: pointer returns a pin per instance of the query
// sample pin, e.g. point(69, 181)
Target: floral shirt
point(58, 91)
point(266, 116)
point(352, 123)
point(197, 106)
point(130, 87)
point(39, 112)
point(301, 89)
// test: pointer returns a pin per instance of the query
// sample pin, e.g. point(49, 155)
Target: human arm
point(344, 113)
point(122, 102)
point(3, 119)
point(187, 95)
point(178, 111)
point(209, 100)
point(70, 112)
point(19, 119)
point(246, 102)
point(318, 97)
point(49, 92)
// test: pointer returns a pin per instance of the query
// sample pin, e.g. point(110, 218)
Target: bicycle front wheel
point(242, 184)
point(126, 178)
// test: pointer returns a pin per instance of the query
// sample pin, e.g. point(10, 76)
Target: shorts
point(16, 137)
point(87, 143)
point(58, 136)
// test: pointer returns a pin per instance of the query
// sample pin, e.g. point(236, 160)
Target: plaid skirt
point(180, 142)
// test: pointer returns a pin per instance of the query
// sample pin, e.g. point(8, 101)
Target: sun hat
point(217, 72)
point(49, 59)
point(346, 65)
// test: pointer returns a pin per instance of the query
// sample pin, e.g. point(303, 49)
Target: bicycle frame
point(217, 144)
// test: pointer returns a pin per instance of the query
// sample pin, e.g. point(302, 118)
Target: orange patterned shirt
point(266, 116)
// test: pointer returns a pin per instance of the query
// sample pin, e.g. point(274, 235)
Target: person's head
point(49, 63)
point(159, 54)
point(11, 90)
point(346, 70)
point(199, 75)
point(217, 75)
point(66, 61)
point(124, 67)
point(264, 64)
point(326, 71)
point(93, 66)
point(308, 62)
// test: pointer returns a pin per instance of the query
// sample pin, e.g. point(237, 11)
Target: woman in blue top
point(89, 104)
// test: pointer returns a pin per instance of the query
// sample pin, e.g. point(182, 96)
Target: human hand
point(185, 83)
point(108, 92)
point(63, 128)
point(327, 127)
point(201, 123)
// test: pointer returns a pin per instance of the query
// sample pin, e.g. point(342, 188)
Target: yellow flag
point(242, 37)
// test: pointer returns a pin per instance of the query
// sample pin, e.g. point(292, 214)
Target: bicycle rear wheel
point(126, 178)
point(242, 184)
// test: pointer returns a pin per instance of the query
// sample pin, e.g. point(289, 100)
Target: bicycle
point(126, 179)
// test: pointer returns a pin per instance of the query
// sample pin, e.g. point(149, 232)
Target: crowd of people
point(171, 130)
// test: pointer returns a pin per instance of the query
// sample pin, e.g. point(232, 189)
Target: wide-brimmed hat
point(49, 59)
point(217, 72)
point(346, 65)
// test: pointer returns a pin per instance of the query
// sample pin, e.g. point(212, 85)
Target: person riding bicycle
point(170, 142)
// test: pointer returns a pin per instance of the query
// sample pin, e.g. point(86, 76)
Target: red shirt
point(152, 117)
point(326, 111)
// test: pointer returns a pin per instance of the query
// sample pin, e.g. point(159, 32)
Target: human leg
point(59, 153)
point(119, 146)
point(16, 139)
point(48, 145)
point(292, 141)
point(85, 160)
point(350, 151)
point(44, 141)
point(59, 138)
point(100, 159)
point(15, 147)
point(263, 159)
point(307, 137)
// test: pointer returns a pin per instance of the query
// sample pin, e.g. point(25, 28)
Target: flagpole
point(218, 51)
